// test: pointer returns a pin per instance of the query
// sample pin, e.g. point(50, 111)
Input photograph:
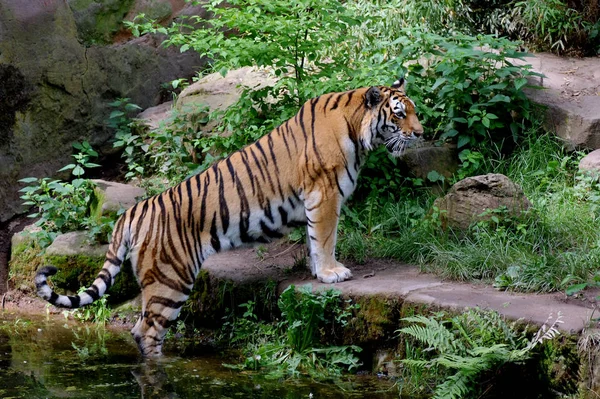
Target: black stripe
point(166, 302)
point(257, 162)
point(214, 238)
point(350, 94)
point(337, 182)
point(337, 101)
point(105, 276)
point(53, 298)
point(268, 231)
point(75, 301)
point(272, 153)
point(203, 201)
point(284, 215)
point(287, 146)
point(248, 169)
point(223, 208)
point(93, 292)
point(267, 210)
point(113, 260)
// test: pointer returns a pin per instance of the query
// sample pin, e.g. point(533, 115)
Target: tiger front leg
point(322, 214)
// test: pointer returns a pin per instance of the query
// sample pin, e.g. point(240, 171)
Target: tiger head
point(394, 122)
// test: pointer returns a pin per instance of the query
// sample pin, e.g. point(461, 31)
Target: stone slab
point(405, 282)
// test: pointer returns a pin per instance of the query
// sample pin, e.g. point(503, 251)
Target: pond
point(50, 358)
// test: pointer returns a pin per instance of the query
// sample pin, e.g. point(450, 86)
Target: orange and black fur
point(299, 174)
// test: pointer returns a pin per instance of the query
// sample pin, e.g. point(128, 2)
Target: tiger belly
point(263, 225)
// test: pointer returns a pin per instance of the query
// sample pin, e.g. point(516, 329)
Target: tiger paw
point(335, 274)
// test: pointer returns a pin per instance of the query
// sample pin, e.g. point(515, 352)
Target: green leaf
point(519, 83)
point(500, 98)
point(463, 141)
point(28, 179)
point(116, 114)
point(68, 167)
point(575, 289)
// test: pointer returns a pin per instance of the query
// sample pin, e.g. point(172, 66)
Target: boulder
point(469, 199)
point(422, 160)
point(591, 162)
point(212, 92)
point(75, 243)
point(61, 64)
point(570, 95)
point(118, 196)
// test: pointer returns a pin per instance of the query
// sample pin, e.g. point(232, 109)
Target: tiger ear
point(400, 84)
point(373, 97)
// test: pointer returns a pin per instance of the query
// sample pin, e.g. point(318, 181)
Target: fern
point(465, 346)
point(432, 333)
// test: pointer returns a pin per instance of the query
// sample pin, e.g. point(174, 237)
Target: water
point(42, 358)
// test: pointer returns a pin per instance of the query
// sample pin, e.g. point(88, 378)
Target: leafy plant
point(462, 348)
point(62, 206)
point(129, 135)
point(294, 345)
point(91, 343)
point(96, 312)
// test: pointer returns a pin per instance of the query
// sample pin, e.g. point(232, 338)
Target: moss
point(73, 272)
point(79, 271)
point(25, 260)
point(375, 321)
point(214, 298)
point(98, 21)
point(559, 362)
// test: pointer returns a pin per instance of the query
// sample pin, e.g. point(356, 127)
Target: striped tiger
point(299, 174)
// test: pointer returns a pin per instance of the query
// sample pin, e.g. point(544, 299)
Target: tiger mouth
point(397, 145)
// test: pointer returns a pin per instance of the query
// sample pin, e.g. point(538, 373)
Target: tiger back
point(299, 174)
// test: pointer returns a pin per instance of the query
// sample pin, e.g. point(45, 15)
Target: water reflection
point(44, 359)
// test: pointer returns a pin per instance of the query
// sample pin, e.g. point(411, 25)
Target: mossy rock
point(25, 260)
point(76, 271)
point(77, 267)
point(214, 298)
point(374, 322)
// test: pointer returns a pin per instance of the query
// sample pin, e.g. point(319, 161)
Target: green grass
point(554, 246)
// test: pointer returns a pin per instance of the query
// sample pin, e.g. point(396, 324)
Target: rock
point(591, 162)
point(25, 236)
point(469, 198)
point(420, 161)
point(75, 243)
point(57, 79)
point(79, 262)
point(571, 95)
point(214, 91)
point(118, 196)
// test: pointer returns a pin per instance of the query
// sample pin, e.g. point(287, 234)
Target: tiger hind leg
point(159, 312)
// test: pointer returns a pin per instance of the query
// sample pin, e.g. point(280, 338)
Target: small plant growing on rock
point(62, 206)
point(294, 345)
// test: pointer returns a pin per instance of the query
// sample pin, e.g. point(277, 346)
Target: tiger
point(299, 174)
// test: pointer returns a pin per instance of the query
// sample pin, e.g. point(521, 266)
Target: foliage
point(293, 346)
point(96, 312)
point(471, 89)
point(90, 343)
point(63, 206)
point(555, 246)
point(459, 350)
point(128, 134)
point(552, 24)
